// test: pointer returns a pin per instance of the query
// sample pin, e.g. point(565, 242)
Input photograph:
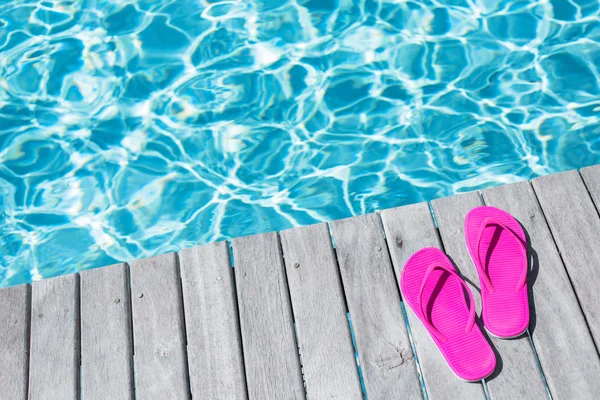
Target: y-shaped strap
point(426, 321)
point(486, 279)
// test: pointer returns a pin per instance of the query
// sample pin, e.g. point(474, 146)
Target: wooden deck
point(279, 324)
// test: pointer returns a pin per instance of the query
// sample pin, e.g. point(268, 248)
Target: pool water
point(133, 128)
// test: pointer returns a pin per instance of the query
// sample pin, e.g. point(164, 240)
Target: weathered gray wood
point(517, 374)
point(213, 335)
point(575, 225)
point(563, 342)
point(591, 176)
point(54, 354)
point(328, 358)
point(386, 357)
point(409, 229)
point(270, 352)
point(106, 337)
point(15, 310)
point(158, 329)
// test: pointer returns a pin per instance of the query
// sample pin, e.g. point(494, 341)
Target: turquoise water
point(132, 128)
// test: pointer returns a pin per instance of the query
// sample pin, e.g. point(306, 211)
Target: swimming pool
point(132, 128)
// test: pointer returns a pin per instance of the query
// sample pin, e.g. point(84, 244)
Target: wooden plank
point(213, 334)
point(408, 229)
point(106, 337)
point(328, 358)
point(386, 357)
point(15, 311)
point(591, 177)
point(270, 352)
point(158, 329)
point(54, 355)
point(575, 226)
point(563, 342)
point(517, 374)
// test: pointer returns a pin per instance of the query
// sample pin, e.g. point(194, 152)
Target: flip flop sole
point(468, 354)
point(505, 310)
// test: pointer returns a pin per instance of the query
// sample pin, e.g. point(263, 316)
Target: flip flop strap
point(486, 279)
point(426, 322)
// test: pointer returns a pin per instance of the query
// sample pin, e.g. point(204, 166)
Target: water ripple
point(132, 128)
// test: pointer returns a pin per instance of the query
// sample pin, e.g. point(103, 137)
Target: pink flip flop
point(498, 247)
point(435, 293)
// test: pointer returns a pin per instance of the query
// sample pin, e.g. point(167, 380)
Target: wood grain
point(54, 354)
point(387, 361)
point(575, 226)
point(213, 333)
point(563, 342)
point(591, 177)
point(267, 325)
point(409, 229)
point(15, 312)
point(328, 357)
point(106, 337)
point(158, 329)
point(517, 374)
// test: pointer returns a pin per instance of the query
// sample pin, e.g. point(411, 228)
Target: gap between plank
point(289, 296)
point(565, 265)
point(237, 314)
point(28, 299)
point(349, 318)
point(79, 332)
point(182, 313)
point(232, 263)
point(360, 375)
point(539, 364)
point(404, 315)
point(131, 336)
point(414, 350)
point(531, 343)
point(78, 324)
point(587, 189)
